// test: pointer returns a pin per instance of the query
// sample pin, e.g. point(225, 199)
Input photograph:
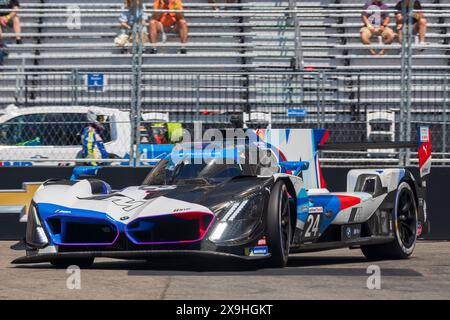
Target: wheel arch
point(293, 206)
point(409, 178)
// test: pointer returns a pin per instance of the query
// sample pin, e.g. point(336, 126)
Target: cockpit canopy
point(211, 163)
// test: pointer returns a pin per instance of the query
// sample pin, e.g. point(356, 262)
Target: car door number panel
point(311, 229)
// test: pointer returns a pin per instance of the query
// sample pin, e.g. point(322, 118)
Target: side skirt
point(138, 254)
point(319, 246)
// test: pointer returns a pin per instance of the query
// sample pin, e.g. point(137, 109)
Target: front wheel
point(279, 229)
point(405, 228)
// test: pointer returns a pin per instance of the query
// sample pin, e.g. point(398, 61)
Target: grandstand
point(247, 57)
point(249, 36)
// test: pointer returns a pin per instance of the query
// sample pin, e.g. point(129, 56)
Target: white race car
point(232, 209)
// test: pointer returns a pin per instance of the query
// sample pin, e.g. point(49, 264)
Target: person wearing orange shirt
point(162, 22)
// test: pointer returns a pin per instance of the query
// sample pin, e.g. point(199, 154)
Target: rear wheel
point(405, 228)
point(81, 263)
point(279, 229)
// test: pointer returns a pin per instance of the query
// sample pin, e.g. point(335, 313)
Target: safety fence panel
point(47, 112)
point(45, 118)
point(430, 93)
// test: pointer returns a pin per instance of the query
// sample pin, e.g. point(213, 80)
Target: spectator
point(214, 2)
point(92, 141)
point(3, 53)
point(10, 19)
point(418, 20)
point(163, 22)
point(376, 20)
point(133, 11)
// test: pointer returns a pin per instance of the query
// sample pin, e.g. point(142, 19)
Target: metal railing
point(355, 106)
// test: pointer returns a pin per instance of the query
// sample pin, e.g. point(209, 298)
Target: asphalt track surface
point(338, 274)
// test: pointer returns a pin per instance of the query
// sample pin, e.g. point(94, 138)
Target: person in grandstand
point(92, 142)
point(418, 20)
point(132, 12)
point(9, 19)
point(162, 22)
point(375, 17)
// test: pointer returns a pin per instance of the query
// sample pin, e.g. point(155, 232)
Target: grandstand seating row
point(251, 35)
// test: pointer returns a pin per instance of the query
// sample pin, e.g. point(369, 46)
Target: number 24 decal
point(312, 226)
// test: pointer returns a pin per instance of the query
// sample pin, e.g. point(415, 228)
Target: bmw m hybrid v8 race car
point(232, 209)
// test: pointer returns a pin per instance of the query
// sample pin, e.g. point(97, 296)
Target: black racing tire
point(405, 219)
point(82, 263)
point(279, 228)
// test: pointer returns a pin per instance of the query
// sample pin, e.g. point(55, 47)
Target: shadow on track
point(297, 265)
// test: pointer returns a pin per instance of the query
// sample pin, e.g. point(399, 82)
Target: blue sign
point(95, 81)
point(297, 113)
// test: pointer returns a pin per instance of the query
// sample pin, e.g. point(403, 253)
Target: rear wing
point(424, 152)
point(305, 144)
point(423, 145)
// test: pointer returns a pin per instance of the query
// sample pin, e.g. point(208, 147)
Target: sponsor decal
point(424, 134)
point(63, 211)
point(304, 208)
point(262, 241)
point(181, 210)
point(126, 203)
point(424, 151)
point(350, 232)
point(316, 210)
point(419, 229)
point(257, 251)
point(21, 197)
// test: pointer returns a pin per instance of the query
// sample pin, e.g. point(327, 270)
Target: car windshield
point(188, 169)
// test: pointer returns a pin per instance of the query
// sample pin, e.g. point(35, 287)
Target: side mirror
point(296, 166)
point(84, 171)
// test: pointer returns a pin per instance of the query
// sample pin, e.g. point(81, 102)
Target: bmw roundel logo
point(348, 232)
point(125, 218)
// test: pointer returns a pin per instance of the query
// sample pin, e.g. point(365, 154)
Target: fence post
point(358, 98)
point(409, 81)
point(298, 35)
point(319, 96)
point(197, 96)
point(19, 85)
point(444, 111)
point(74, 81)
point(323, 99)
point(138, 89)
point(133, 102)
point(26, 90)
point(406, 72)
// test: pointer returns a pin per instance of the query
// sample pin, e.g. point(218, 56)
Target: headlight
point(249, 208)
point(238, 219)
point(35, 232)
